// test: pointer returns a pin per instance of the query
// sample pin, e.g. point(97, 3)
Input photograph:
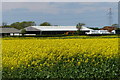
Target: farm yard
point(60, 57)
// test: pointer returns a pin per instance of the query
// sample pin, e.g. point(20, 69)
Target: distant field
point(61, 57)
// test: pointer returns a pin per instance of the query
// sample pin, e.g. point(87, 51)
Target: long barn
point(39, 30)
point(8, 31)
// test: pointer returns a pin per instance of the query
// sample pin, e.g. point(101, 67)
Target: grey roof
point(31, 29)
point(9, 30)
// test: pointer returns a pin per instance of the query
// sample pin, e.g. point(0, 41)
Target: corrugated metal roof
point(55, 28)
point(85, 28)
point(9, 30)
point(31, 29)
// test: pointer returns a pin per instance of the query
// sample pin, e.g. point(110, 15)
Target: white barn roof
point(55, 28)
point(85, 28)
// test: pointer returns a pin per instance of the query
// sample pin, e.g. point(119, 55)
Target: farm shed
point(8, 31)
point(39, 30)
point(109, 28)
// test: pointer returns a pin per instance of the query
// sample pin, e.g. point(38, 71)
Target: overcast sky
point(60, 13)
point(59, 0)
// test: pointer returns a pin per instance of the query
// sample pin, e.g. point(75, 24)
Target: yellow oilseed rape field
point(60, 58)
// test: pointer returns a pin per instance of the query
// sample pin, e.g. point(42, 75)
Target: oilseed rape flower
point(60, 57)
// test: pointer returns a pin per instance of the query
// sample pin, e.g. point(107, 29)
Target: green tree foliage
point(23, 31)
point(79, 26)
point(115, 25)
point(45, 24)
point(4, 24)
point(21, 25)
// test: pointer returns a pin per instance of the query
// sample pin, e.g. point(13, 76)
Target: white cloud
point(60, 0)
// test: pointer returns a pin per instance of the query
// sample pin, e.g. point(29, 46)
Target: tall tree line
point(19, 25)
point(24, 24)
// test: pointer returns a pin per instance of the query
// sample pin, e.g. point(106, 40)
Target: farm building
point(101, 32)
point(104, 30)
point(109, 28)
point(39, 30)
point(8, 31)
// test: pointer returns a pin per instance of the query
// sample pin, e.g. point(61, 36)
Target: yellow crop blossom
point(79, 63)
point(42, 52)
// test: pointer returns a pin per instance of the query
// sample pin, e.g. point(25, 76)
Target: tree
point(23, 31)
point(26, 24)
point(16, 25)
point(45, 24)
point(79, 26)
point(115, 25)
point(21, 25)
point(4, 24)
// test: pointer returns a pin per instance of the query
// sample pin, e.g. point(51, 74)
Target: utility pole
point(110, 16)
